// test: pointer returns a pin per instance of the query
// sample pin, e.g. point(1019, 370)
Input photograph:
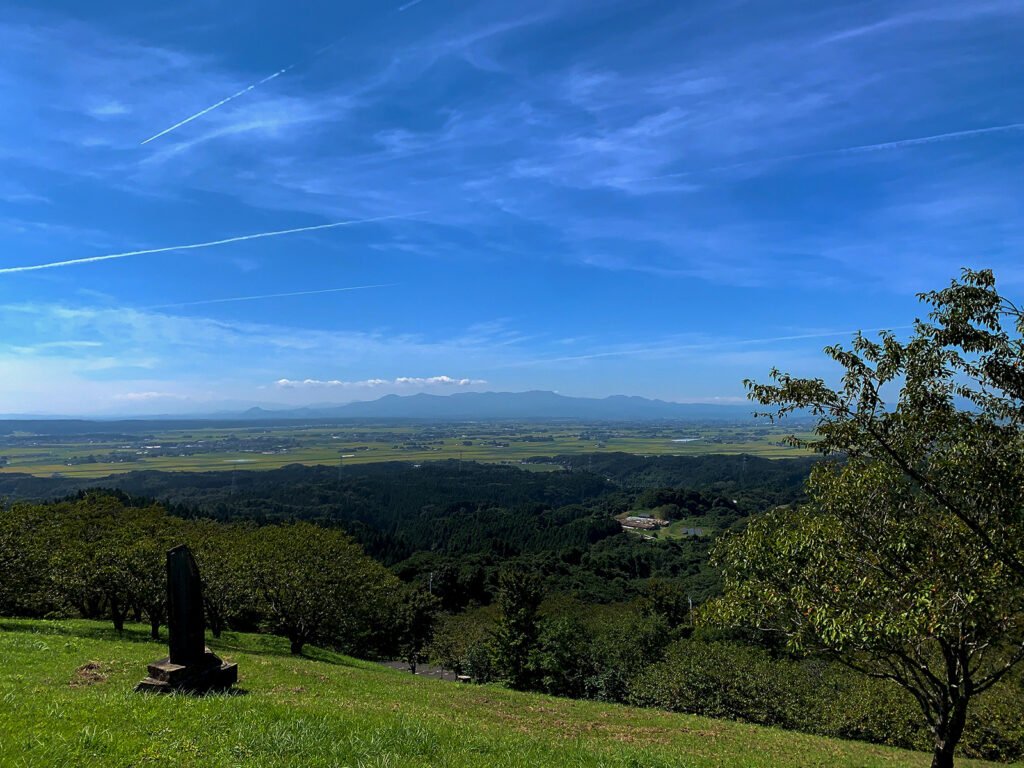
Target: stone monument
point(189, 666)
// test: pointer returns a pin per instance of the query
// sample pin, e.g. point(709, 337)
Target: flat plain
point(270, 447)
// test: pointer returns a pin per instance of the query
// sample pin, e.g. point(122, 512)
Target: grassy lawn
point(66, 700)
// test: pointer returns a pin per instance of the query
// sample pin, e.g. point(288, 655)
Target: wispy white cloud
point(933, 13)
point(49, 347)
point(190, 344)
point(12, 192)
point(148, 396)
point(856, 149)
point(401, 381)
point(109, 109)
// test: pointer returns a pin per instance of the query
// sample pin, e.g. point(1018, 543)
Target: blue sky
point(599, 197)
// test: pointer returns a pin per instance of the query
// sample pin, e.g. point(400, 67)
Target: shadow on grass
point(250, 644)
point(261, 647)
point(80, 628)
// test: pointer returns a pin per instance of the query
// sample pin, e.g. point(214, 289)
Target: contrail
point(269, 296)
point(706, 345)
point(843, 150)
point(233, 96)
point(266, 79)
point(192, 246)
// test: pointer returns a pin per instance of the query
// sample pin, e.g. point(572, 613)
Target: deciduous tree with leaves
point(316, 585)
point(416, 610)
point(907, 562)
point(219, 552)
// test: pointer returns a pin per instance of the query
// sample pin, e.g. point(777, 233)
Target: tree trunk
point(92, 608)
point(118, 616)
point(215, 620)
point(214, 617)
point(948, 730)
point(154, 627)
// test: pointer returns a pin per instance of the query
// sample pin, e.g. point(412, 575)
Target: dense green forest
point(455, 525)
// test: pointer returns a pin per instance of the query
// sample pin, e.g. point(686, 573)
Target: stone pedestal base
point(210, 674)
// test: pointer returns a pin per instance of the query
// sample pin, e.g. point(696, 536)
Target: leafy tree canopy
point(906, 562)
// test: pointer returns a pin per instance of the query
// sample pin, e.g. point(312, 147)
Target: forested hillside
point(456, 524)
point(752, 479)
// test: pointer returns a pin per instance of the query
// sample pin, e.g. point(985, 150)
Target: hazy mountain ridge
point(462, 406)
point(512, 405)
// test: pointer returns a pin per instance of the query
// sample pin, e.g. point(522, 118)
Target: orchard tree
point(316, 585)
point(145, 537)
point(218, 550)
point(101, 559)
point(24, 557)
point(416, 611)
point(461, 642)
point(906, 562)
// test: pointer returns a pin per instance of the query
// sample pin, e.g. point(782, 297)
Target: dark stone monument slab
point(189, 666)
point(185, 618)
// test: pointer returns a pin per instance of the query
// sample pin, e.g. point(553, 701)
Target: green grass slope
point(66, 700)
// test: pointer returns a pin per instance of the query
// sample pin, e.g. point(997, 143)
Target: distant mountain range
point(462, 406)
point(510, 405)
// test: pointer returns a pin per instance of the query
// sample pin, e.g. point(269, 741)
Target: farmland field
point(205, 448)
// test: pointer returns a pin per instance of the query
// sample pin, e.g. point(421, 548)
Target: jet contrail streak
point(929, 139)
point(844, 150)
point(707, 345)
point(266, 79)
point(233, 96)
point(269, 296)
point(192, 246)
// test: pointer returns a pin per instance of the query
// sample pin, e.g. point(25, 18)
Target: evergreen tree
point(515, 638)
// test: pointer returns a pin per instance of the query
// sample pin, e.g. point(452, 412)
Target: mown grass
point(66, 700)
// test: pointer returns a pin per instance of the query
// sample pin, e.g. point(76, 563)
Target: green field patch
point(676, 529)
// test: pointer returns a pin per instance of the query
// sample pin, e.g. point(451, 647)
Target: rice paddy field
point(270, 447)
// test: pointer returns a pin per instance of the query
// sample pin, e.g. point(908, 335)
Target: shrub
point(740, 682)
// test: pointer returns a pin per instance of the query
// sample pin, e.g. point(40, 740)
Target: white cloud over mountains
point(147, 396)
point(401, 381)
